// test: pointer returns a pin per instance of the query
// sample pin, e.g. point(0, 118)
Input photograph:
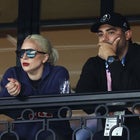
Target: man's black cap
point(114, 19)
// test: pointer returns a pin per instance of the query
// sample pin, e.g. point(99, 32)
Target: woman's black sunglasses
point(30, 53)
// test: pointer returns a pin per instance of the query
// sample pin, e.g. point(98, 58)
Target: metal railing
point(100, 104)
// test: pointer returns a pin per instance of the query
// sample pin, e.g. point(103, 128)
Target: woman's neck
point(36, 74)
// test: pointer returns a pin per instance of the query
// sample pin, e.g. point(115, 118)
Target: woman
point(37, 75)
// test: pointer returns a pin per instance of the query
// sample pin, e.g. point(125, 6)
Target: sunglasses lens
point(29, 53)
point(20, 53)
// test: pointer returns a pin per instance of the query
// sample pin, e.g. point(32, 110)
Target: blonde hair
point(46, 47)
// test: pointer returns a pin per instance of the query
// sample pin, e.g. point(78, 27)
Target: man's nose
point(105, 37)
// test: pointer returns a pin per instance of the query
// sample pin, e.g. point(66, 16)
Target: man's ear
point(46, 57)
point(128, 34)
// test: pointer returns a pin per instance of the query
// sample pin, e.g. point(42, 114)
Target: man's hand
point(107, 49)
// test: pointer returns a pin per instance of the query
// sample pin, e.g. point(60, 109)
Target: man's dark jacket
point(124, 77)
point(93, 76)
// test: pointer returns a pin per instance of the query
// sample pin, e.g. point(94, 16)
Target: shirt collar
point(122, 61)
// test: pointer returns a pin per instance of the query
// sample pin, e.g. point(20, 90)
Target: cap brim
point(95, 27)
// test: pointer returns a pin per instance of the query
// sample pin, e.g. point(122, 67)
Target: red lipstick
point(25, 64)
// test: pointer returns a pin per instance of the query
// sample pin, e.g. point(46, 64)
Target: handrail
point(73, 100)
point(99, 103)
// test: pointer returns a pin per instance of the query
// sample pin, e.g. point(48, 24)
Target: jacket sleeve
point(88, 81)
point(12, 73)
point(4, 81)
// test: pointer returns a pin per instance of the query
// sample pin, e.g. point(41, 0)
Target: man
point(117, 65)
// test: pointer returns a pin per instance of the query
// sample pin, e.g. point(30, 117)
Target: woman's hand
point(13, 87)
